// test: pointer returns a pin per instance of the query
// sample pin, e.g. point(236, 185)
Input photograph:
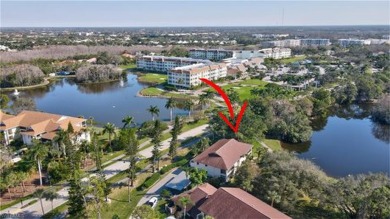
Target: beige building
point(188, 76)
point(30, 125)
point(164, 64)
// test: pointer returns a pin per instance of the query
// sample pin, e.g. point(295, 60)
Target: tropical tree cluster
point(301, 189)
point(97, 73)
point(20, 75)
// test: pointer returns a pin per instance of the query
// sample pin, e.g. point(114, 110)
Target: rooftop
point(223, 154)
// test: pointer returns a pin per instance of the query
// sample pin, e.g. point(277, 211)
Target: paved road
point(34, 211)
point(159, 186)
point(165, 144)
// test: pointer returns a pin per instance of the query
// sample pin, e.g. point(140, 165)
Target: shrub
point(151, 180)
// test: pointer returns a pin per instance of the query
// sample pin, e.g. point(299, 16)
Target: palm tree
point(184, 201)
point(39, 194)
point(171, 103)
point(59, 140)
point(188, 104)
point(50, 195)
point(39, 153)
point(110, 129)
point(154, 110)
point(127, 121)
point(203, 100)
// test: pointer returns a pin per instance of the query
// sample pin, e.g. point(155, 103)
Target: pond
point(105, 102)
point(345, 145)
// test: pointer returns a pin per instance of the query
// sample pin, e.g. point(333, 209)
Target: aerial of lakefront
point(183, 109)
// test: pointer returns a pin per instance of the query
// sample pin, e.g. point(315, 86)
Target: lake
point(346, 142)
point(105, 102)
point(348, 146)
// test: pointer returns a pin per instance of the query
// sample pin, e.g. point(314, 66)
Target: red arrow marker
point(229, 105)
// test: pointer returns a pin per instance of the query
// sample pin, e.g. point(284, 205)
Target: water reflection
point(106, 102)
point(381, 132)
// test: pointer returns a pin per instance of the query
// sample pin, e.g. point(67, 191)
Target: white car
point(152, 202)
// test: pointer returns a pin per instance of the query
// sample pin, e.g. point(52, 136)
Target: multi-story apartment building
point(276, 53)
point(210, 54)
point(282, 43)
point(247, 54)
point(315, 42)
point(188, 76)
point(351, 42)
point(164, 64)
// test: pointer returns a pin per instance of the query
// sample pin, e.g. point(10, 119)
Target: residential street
point(158, 187)
point(34, 210)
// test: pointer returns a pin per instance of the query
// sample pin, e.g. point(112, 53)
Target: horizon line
point(308, 25)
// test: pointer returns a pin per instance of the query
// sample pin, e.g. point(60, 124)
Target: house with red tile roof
point(39, 125)
point(222, 158)
point(225, 203)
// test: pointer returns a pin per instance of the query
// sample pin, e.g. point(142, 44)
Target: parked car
point(152, 202)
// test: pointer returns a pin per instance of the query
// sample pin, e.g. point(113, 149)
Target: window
point(223, 171)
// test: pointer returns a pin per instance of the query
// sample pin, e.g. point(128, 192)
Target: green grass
point(131, 65)
point(189, 126)
point(151, 91)
point(254, 82)
point(293, 59)
point(152, 78)
point(273, 144)
point(56, 211)
point(14, 202)
point(244, 87)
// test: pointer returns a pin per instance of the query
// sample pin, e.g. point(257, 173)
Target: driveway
point(159, 186)
point(34, 211)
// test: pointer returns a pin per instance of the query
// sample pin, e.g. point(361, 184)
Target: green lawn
point(254, 82)
point(132, 65)
point(273, 144)
point(243, 92)
point(293, 59)
point(151, 91)
point(152, 78)
point(244, 87)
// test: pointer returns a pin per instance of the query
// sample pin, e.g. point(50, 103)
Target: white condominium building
point(211, 54)
point(315, 42)
point(276, 53)
point(164, 64)
point(351, 42)
point(188, 76)
point(247, 54)
point(283, 43)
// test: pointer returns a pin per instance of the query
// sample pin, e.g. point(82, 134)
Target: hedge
point(151, 180)
point(173, 165)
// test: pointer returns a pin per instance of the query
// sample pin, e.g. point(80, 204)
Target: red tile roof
point(235, 203)
point(223, 154)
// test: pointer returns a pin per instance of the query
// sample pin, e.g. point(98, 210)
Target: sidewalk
point(34, 211)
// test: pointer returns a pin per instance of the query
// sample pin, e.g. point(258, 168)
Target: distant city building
point(211, 54)
point(352, 42)
point(282, 43)
point(247, 54)
point(270, 36)
point(276, 53)
point(188, 76)
point(164, 64)
point(379, 41)
point(315, 42)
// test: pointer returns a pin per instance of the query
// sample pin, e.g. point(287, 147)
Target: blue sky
point(191, 13)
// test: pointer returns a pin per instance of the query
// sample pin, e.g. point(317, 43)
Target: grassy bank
point(152, 78)
point(275, 145)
